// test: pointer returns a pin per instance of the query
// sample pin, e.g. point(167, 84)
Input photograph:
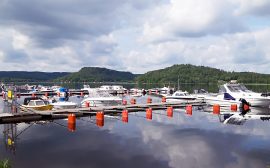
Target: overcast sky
point(134, 35)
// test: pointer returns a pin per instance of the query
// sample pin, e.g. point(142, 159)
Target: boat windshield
point(99, 93)
point(39, 103)
point(181, 94)
point(238, 88)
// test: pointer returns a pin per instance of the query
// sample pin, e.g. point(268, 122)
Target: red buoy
point(216, 109)
point(234, 107)
point(149, 114)
point(100, 119)
point(149, 100)
point(125, 116)
point(71, 122)
point(71, 127)
point(189, 109)
point(170, 111)
point(71, 118)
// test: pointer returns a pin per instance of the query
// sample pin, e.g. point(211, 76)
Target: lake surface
point(200, 140)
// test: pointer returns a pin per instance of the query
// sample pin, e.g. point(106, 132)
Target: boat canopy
point(28, 99)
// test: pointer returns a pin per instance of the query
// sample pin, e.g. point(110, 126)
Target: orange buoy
point(216, 109)
point(71, 127)
point(163, 100)
point(234, 107)
point(33, 95)
point(100, 119)
point(124, 102)
point(170, 111)
point(149, 114)
point(87, 104)
point(125, 116)
point(71, 122)
point(149, 100)
point(71, 118)
point(133, 101)
point(189, 109)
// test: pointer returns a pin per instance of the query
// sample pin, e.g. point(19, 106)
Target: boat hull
point(39, 108)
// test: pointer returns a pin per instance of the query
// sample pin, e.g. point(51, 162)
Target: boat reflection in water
point(239, 118)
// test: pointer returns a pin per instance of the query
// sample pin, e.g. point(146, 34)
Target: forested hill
point(96, 74)
point(187, 73)
point(24, 76)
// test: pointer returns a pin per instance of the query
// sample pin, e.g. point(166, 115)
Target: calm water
point(200, 140)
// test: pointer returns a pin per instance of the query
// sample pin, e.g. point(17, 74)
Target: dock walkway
point(33, 115)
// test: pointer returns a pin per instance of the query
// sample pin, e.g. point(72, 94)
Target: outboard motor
point(144, 92)
point(245, 106)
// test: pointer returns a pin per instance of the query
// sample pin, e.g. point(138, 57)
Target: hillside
point(96, 74)
point(24, 76)
point(199, 74)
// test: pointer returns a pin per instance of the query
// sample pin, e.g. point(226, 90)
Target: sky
point(134, 35)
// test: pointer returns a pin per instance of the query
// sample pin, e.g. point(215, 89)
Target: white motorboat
point(180, 96)
point(118, 89)
point(166, 91)
point(238, 91)
point(64, 105)
point(99, 97)
point(107, 88)
point(222, 99)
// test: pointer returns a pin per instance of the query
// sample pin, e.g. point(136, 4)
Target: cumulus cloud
point(133, 35)
point(180, 147)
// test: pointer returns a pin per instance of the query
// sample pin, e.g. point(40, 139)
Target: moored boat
point(239, 91)
point(180, 96)
point(36, 103)
point(99, 97)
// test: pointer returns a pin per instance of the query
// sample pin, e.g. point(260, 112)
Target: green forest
point(187, 73)
point(183, 73)
point(96, 74)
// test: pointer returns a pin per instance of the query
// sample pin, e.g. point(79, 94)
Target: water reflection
point(179, 140)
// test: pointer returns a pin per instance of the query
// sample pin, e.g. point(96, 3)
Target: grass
point(5, 163)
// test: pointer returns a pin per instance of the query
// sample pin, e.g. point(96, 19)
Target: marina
point(128, 116)
point(93, 136)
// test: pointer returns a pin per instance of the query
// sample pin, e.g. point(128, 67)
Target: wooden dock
point(34, 115)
